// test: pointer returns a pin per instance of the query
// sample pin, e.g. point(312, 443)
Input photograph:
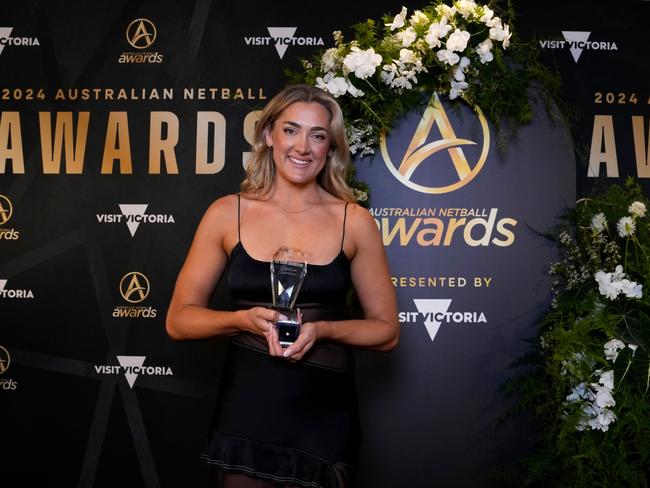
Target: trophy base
point(288, 329)
point(288, 332)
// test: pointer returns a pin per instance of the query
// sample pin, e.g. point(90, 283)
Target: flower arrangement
point(590, 373)
point(462, 50)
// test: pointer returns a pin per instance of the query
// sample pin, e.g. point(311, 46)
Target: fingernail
point(286, 353)
point(282, 317)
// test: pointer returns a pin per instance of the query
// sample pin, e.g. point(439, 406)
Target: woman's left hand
point(307, 338)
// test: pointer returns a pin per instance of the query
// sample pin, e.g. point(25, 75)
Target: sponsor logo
point(7, 40)
point(445, 151)
point(281, 38)
point(5, 362)
point(141, 34)
point(11, 293)
point(133, 215)
point(577, 42)
point(134, 288)
point(440, 226)
point(132, 367)
point(433, 313)
point(6, 211)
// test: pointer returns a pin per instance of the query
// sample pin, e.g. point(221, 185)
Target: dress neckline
point(240, 246)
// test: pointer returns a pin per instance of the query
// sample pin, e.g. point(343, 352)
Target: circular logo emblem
point(134, 287)
point(5, 209)
point(448, 147)
point(5, 360)
point(141, 33)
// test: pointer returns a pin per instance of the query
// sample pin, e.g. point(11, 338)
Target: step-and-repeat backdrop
point(120, 122)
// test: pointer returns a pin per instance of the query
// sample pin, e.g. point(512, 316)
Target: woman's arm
point(379, 330)
point(188, 316)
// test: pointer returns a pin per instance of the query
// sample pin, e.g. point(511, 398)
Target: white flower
point(626, 226)
point(330, 60)
point(484, 50)
point(458, 40)
point(580, 392)
point(398, 21)
point(407, 36)
point(448, 57)
point(446, 10)
point(466, 7)
point(605, 417)
point(338, 37)
point(418, 18)
point(408, 56)
point(611, 349)
point(337, 86)
point(362, 63)
point(605, 285)
point(457, 88)
point(599, 222)
point(631, 289)
point(604, 397)
point(334, 85)
point(500, 33)
point(607, 379)
point(633, 347)
point(459, 72)
point(637, 209)
point(436, 32)
point(488, 13)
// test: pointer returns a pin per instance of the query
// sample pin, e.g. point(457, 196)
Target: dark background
point(428, 408)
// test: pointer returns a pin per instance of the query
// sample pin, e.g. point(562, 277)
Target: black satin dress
point(288, 423)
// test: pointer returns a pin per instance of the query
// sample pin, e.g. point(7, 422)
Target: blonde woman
point(288, 415)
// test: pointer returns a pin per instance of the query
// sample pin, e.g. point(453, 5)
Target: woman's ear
point(267, 137)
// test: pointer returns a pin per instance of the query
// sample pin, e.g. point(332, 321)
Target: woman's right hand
point(259, 321)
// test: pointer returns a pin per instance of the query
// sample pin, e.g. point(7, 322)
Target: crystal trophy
point(288, 271)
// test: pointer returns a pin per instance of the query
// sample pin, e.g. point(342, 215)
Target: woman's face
point(301, 141)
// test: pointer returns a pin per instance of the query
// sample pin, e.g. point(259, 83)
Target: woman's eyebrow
point(296, 124)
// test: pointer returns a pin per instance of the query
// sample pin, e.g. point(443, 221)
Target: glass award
point(288, 271)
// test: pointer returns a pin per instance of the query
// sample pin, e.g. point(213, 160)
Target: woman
point(288, 416)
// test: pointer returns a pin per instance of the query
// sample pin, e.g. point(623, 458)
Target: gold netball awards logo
point(6, 211)
point(134, 289)
point(141, 34)
point(450, 146)
point(5, 361)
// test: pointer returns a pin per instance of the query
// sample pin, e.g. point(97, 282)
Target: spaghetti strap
point(239, 217)
point(345, 216)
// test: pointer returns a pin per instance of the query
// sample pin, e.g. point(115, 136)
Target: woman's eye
point(289, 130)
point(320, 137)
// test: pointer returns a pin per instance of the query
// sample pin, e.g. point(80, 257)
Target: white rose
point(329, 60)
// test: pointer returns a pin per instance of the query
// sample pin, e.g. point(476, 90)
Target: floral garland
point(591, 371)
point(457, 50)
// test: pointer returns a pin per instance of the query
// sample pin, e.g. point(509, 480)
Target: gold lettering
point(641, 151)
point(10, 130)
point(75, 148)
point(117, 128)
point(603, 132)
point(159, 146)
point(453, 225)
point(203, 122)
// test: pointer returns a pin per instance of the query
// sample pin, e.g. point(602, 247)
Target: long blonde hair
point(260, 171)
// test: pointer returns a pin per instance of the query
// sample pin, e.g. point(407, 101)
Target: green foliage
point(584, 335)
